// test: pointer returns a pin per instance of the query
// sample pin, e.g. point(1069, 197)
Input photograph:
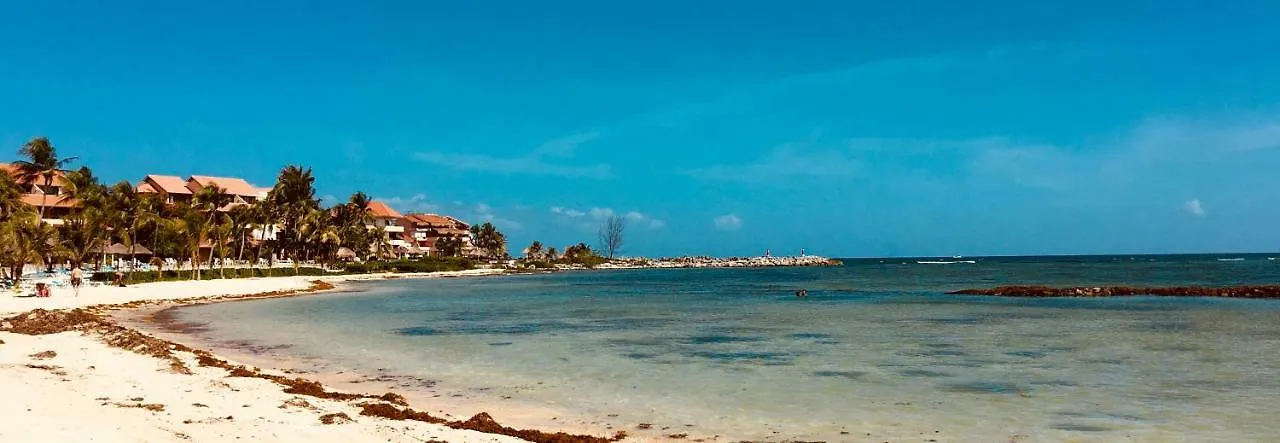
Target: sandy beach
point(74, 386)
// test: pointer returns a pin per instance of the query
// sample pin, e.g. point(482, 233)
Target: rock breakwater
point(716, 262)
point(1260, 291)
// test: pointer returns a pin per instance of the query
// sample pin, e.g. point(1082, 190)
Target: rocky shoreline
point(1259, 291)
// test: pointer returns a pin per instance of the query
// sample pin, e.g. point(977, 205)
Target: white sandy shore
point(89, 391)
point(65, 298)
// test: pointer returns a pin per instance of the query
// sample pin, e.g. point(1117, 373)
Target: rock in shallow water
point(1262, 291)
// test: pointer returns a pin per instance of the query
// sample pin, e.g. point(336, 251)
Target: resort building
point(171, 189)
point(424, 229)
point(241, 191)
point(176, 190)
point(387, 220)
point(49, 197)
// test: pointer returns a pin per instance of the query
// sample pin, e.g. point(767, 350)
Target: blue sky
point(717, 127)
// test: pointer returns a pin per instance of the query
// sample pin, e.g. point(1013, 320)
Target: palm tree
point(449, 246)
point(189, 230)
point(359, 224)
point(534, 251)
point(489, 239)
point(209, 200)
point(241, 220)
point(83, 186)
point(292, 199)
point(79, 238)
point(41, 166)
point(552, 253)
point(320, 235)
point(26, 239)
point(9, 248)
point(260, 216)
point(151, 212)
point(128, 209)
point(222, 229)
point(10, 198)
point(167, 240)
point(578, 252)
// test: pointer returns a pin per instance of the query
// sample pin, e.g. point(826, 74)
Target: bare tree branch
point(611, 235)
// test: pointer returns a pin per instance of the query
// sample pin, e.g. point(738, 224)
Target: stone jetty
point(1262, 291)
point(715, 262)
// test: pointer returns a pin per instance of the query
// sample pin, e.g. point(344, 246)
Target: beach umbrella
point(117, 249)
point(346, 253)
point(121, 249)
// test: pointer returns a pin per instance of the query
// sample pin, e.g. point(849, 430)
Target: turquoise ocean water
point(875, 352)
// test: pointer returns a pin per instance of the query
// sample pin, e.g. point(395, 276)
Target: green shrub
point(428, 264)
point(206, 274)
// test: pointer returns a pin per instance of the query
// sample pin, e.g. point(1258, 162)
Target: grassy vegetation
point(430, 264)
point(207, 274)
point(589, 261)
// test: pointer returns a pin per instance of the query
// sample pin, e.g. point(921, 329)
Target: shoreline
point(92, 329)
point(448, 400)
point(95, 346)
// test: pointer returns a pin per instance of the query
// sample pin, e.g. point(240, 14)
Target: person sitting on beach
point(119, 279)
point(42, 290)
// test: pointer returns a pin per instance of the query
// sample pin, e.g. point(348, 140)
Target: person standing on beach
point(77, 277)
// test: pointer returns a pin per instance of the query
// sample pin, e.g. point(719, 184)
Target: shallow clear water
point(875, 351)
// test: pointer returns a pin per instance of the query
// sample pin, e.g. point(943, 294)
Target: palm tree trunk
point(44, 196)
point(222, 258)
point(195, 256)
point(240, 254)
point(133, 247)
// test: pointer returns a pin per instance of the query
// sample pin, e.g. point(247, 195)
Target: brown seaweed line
point(92, 320)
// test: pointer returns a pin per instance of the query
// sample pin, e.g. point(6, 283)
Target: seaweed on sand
point(389, 405)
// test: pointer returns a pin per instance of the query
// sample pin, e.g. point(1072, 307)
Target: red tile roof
point(145, 187)
point(12, 168)
point(381, 210)
point(169, 184)
point(54, 201)
point(430, 219)
point(233, 186)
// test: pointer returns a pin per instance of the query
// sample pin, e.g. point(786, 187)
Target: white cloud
point(416, 203)
point(567, 212)
point(728, 222)
point(633, 218)
point(565, 146)
point(529, 165)
point(601, 213)
point(789, 161)
point(1194, 207)
point(502, 223)
point(533, 163)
